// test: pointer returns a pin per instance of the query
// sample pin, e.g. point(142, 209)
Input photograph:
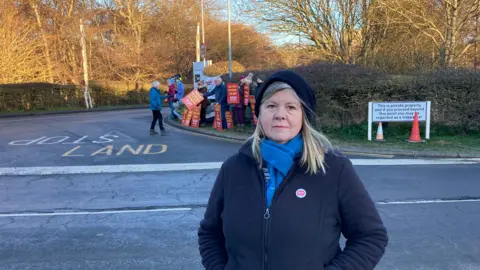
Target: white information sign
point(198, 68)
point(397, 111)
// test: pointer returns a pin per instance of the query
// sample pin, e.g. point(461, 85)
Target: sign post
point(203, 51)
point(399, 112)
point(198, 74)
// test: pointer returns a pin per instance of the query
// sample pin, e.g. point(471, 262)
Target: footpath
point(374, 150)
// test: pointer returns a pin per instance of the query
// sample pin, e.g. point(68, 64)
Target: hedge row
point(43, 96)
point(343, 93)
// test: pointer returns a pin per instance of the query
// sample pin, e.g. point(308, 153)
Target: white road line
point(110, 168)
point(184, 209)
point(403, 162)
point(171, 167)
point(428, 201)
point(95, 212)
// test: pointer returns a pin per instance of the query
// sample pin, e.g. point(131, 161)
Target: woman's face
point(281, 116)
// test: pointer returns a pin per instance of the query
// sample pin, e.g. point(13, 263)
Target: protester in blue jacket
point(220, 92)
point(285, 198)
point(156, 107)
point(180, 89)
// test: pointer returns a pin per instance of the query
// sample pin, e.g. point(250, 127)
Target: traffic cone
point(415, 134)
point(380, 133)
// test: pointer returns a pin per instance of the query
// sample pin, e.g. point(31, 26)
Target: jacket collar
point(246, 149)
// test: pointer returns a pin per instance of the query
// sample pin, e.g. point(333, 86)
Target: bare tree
point(442, 21)
point(19, 58)
point(331, 26)
point(46, 51)
point(125, 40)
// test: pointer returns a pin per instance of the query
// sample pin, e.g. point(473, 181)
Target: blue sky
point(236, 16)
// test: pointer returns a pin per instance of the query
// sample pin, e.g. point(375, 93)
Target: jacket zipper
point(265, 218)
point(267, 215)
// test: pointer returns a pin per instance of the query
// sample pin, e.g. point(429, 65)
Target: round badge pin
point(301, 193)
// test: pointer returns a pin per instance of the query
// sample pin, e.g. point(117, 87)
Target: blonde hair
point(315, 144)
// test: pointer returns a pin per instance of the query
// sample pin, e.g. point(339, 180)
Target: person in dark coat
point(285, 198)
point(259, 83)
point(202, 88)
point(220, 92)
point(239, 108)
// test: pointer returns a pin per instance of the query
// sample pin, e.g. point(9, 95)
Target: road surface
point(96, 191)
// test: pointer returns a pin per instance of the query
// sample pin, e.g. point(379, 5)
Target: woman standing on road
point(284, 199)
point(156, 107)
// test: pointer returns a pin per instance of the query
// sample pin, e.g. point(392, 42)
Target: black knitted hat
point(301, 87)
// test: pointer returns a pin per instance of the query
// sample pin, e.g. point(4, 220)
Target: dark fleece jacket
point(236, 232)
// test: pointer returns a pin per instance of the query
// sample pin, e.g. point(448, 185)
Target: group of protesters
point(220, 92)
point(175, 92)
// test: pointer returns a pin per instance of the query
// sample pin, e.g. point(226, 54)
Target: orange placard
point(192, 99)
point(217, 120)
point(246, 94)
point(196, 117)
point(252, 105)
point(189, 118)
point(228, 116)
point(252, 99)
point(233, 97)
point(184, 117)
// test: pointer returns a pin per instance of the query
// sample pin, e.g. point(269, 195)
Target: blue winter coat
point(156, 99)
point(180, 90)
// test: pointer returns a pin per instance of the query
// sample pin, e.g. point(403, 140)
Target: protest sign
point(228, 116)
point(246, 94)
point(189, 117)
point(233, 97)
point(184, 117)
point(218, 118)
point(192, 99)
point(252, 105)
point(196, 117)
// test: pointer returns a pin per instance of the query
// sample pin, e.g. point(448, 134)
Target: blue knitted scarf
point(279, 160)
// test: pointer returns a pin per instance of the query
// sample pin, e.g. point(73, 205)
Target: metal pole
point(203, 37)
point(203, 26)
point(198, 42)
point(475, 63)
point(88, 102)
point(229, 44)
